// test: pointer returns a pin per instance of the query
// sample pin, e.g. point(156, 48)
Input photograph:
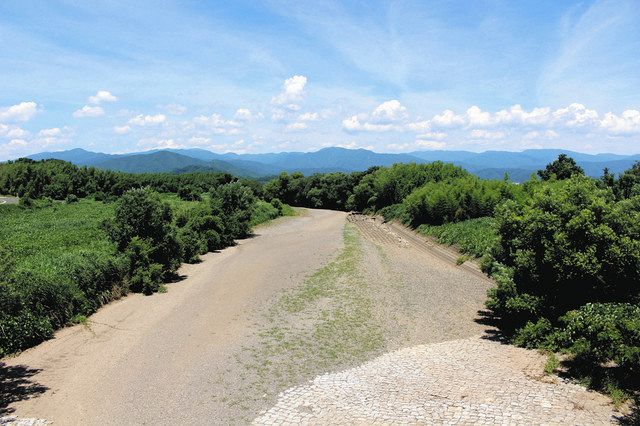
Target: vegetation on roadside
point(81, 238)
point(563, 248)
point(475, 237)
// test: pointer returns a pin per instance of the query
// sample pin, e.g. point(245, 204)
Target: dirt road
point(346, 300)
point(160, 359)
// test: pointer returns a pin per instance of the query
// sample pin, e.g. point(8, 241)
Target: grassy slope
point(473, 236)
point(42, 239)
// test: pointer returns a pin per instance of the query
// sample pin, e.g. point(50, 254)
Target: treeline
point(150, 240)
point(566, 251)
point(416, 194)
point(58, 179)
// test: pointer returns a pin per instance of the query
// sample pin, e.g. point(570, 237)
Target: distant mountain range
point(489, 164)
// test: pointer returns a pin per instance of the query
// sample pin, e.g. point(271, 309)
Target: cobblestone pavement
point(14, 421)
point(467, 381)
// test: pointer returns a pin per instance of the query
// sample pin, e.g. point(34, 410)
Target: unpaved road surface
point(321, 318)
point(160, 359)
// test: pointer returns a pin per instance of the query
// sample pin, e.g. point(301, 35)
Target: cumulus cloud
point(102, 96)
point(292, 92)
point(389, 112)
point(386, 117)
point(122, 130)
point(88, 111)
point(48, 133)
point(24, 111)
point(576, 115)
point(626, 124)
point(148, 120)
point(448, 118)
point(12, 132)
point(154, 143)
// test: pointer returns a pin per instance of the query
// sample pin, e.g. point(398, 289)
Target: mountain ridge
point(487, 164)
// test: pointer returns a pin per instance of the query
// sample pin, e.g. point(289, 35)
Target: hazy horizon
point(271, 76)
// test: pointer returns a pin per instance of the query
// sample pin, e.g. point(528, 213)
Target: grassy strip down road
point(325, 324)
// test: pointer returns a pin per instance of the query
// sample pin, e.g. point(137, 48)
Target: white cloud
point(12, 132)
point(627, 123)
point(148, 120)
point(516, 115)
point(48, 133)
point(24, 111)
point(448, 119)
point(102, 96)
point(243, 114)
point(293, 91)
point(309, 116)
point(386, 117)
point(122, 130)
point(355, 124)
point(88, 111)
point(485, 134)
point(576, 115)
point(477, 117)
point(389, 112)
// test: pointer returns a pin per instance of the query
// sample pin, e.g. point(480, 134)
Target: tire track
point(392, 233)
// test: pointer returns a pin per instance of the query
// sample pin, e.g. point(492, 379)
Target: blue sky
point(250, 76)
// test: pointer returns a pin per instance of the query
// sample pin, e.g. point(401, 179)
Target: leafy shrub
point(569, 244)
point(601, 332)
point(71, 198)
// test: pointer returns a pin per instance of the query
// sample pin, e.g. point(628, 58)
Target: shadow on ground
point(16, 384)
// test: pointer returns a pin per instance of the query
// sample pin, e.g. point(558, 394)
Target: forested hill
point(489, 164)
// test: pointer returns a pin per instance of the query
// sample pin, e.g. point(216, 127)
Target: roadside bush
point(436, 203)
point(569, 244)
point(597, 333)
point(71, 198)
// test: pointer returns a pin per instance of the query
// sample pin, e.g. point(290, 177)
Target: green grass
point(552, 363)
point(264, 212)
point(324, 324)
point(43, 238)
point(474, 236)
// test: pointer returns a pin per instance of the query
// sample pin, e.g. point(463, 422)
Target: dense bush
point(60, 264)
point(436, 203)
point(569, 244)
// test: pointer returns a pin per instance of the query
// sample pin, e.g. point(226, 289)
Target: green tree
point(562, 168)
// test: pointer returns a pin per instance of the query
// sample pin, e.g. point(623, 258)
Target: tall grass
point(473, 236)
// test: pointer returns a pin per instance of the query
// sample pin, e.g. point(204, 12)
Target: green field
point(43, 240)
